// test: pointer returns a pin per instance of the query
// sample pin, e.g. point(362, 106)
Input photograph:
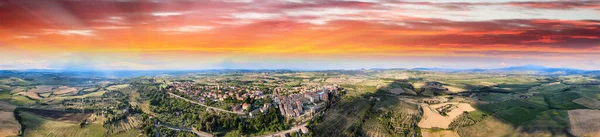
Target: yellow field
point(30, 94)
point(42, 89)
point(431, 118)
point(37, 126)
point(454, 89)
point(115, 87)
point(419, 84)
point(438, 133)
point(64, 90)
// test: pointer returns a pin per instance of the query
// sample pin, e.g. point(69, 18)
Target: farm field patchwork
point(585, 122)
point(433, 118)
point(64, 90)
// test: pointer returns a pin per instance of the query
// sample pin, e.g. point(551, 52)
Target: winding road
point(199, 133)
point(213, 108)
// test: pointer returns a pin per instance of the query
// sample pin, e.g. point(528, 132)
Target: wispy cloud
point(166, 14)
point(69, 32)
point(187, 28)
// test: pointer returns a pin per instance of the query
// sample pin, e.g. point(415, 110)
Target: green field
point(563, 101)
point(591, 91)
point(37, 126)
point(5, 92)
point(21, 100)
point(518, 115)
point(490, 97)
point(59, 99)
point(554, 121)
point(15, 81)
point(345, 120)
point(477, 115)
point(544, 113)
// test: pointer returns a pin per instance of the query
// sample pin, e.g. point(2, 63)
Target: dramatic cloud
point(355, 34)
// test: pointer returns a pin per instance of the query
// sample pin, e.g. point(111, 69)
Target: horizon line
point(288, 69)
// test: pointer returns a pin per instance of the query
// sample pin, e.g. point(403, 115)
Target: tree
point(234, 133)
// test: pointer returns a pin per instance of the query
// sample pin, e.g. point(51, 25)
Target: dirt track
point(199, 133)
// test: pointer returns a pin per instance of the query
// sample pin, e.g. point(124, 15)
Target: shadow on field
point(542, 113)
point(364, 115)
point(34, 118)
point(26, 121)
point(75, 116)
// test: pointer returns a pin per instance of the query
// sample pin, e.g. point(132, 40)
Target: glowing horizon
point(295, 34)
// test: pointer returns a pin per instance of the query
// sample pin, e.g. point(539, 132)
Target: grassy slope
point(21, 100)
point(38, 126)
point(59, 99)
point(544, 114)
point(5, 92)
point(344, 119)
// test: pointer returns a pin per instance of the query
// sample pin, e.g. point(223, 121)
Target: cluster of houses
point(299, 89)
point(303, 100)
point(310, 102)
point(290, 106)
point(217, 92)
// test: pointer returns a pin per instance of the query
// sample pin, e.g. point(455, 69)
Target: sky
point(297, 34)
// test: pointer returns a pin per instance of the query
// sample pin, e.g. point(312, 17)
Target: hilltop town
point(291, 101)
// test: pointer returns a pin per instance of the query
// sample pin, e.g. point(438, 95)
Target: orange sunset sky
point(297, 34)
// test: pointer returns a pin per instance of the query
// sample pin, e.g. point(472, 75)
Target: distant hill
point(529, 69)
point(526, 67)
